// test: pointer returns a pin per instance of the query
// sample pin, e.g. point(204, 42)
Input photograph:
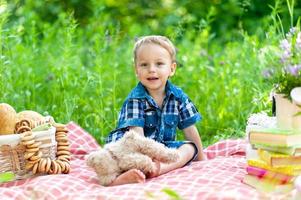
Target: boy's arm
point(137, 129)
point(191, 134)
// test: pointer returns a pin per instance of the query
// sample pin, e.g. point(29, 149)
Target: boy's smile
point(153, 67)
point(152, 78)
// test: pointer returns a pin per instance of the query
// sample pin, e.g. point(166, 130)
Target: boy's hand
point(202, 157)
point(156, 171)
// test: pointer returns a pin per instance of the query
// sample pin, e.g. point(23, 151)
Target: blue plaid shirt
point(140, 109)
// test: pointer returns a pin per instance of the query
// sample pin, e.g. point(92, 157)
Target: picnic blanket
point(217, 178)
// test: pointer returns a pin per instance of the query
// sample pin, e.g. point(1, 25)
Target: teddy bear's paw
point(170, 156)
point(90, 159)
point(148, 168)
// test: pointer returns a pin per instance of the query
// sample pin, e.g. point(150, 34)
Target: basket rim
point(14, 139)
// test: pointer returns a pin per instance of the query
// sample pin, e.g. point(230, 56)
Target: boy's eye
point(143, 64)
point(160, 63)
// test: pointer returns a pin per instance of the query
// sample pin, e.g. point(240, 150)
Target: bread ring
point(33, 161)
point(35, 168)
point(59, 169)
point(26, 122)
point(28, 155)
point(36, 157)
point(65, 160)
point(67, 168)
point(53, 167)
point(42, 165)
point(62, 165)
point(63, 133)
point(60, 127)
point(23, 129)
point(27, 137)
point(26, 133)
point(23, 122)
point(30, 142)
point(64, 157)
point(32, 149)
point(57, 166)
point(61, 139)
point(63, 148)
point(48, 165)
point(29, 165)
point(62, 143)
point(59, 153)
point(60, 136)
point(36, 144)
point(62, 130)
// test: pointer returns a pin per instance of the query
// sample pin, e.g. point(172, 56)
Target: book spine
point(291, 171)
point(265, 185)
point(278, 160)
point(265, 156)
point(267, 174)
point(276, 149)
point(267, 139)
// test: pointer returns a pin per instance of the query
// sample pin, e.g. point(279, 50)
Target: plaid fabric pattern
point(141, 110)
point(218, 178)
point(132, 110)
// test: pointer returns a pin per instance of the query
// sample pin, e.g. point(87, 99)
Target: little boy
point(155, 108)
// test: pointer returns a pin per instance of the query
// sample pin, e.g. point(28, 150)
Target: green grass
point(83, 75)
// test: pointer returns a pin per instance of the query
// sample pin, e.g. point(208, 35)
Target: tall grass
point(83, 75)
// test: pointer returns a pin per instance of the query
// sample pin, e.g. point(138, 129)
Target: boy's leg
point(139, 162)
point(186, 152)
point(131, 176)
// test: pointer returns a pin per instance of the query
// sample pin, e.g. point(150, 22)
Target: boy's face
point(154, 66)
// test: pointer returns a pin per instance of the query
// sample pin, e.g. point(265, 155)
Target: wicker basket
point(12, 151)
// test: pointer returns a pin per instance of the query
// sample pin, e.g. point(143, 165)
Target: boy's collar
point(172, 89)
point(140, 91)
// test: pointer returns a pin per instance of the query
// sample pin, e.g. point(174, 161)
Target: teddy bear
point(132, 151)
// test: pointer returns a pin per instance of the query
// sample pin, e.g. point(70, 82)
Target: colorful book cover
point(274, 131)
point(267, 174)
point(265, 185)
point(275, 137)
point(278, 160)
point(288, 170)
point(294, 151)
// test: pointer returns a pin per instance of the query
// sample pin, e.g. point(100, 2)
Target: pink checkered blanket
point(217, 178)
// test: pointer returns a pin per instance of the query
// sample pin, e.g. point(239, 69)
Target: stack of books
point(277, 162)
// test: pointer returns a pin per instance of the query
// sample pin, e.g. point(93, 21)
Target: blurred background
point(73, 59)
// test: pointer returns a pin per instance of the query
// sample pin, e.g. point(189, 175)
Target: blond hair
point(156, 39)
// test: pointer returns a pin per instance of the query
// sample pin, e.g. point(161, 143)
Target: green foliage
point(161, 16)
point(78, 66)
point(165, 192)
point(172, 194)
point(283, 60)
point(6, 176)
